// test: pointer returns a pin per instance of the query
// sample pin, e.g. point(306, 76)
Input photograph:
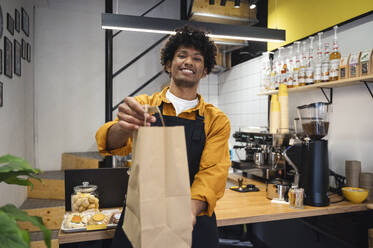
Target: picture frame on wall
point(17, 57)
point(17, 19)
point(8, 54)
point(24, 49)
point(1, 61)
point(28, 52)
point(1, 22)
point(10, 23)
point(1, 94)
point(25, 22)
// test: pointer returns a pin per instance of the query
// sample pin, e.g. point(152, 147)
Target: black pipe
point(143, 14)
point(140, 88)
point(108, 66)
point(183, 10)
point(139, 56)
point(108, 161)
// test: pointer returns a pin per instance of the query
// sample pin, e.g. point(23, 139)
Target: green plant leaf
point(10, 234)
point(20, 215)
point(15, 170)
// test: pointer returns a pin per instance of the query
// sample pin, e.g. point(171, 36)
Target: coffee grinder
point(314, 176)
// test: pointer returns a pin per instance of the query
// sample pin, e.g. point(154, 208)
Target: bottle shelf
point(332, 84)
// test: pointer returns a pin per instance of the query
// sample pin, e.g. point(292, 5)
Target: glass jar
point(296, 196)
point(85, 197)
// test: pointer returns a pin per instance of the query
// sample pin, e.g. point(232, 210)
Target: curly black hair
point(190, 37)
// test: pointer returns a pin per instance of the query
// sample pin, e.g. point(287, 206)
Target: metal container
point(277, 190)
point(259, 158)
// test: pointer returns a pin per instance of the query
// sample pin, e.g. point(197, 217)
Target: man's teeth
point(187, 71)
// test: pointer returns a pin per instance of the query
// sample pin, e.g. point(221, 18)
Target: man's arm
point(130, 116)
point(197, 208)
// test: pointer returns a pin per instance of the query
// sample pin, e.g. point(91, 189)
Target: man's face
point(187, 67)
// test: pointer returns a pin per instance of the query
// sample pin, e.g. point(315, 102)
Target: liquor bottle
point(284, 67)
point(266, 71)
point(334, 58)
point(310, 64)
point(296, 68)
point(280, 66)
point(290, 66)
point(318, 60)
point(325, 64)
point(303, 62)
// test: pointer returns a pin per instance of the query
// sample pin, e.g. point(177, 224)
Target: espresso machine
point(263, 155)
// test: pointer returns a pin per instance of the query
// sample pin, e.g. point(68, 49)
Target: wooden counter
point(252, 207)
point(239, 208)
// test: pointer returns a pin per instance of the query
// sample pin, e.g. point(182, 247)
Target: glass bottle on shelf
point(334, 58)
point(279, 68)
point(318, 60)
point(325, 64)
point(303, 62)
point(284, 67)
point(266, 71)
point(290, 66)
point(296, 67)
point(310, 64)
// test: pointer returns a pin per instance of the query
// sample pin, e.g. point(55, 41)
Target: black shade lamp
point(236, 3)
point(222, 2)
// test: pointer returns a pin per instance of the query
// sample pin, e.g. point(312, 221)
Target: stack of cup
point(353, 170)
point(366, 182)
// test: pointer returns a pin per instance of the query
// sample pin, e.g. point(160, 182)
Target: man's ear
point(168, 66)
point(204, 72)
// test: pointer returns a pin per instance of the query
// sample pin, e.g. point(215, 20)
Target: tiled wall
point(208, 88)
point(238, 99)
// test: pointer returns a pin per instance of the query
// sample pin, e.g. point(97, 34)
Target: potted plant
point(15, 170)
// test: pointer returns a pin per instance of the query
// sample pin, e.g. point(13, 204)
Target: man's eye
point(197, 59)
point(181, 56)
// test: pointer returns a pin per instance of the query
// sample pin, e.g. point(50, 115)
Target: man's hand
point(131, 115)
point(197, 207)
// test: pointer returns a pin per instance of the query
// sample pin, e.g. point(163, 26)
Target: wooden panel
point(70, 162)
point(303, 18)
point(239, 208)
point(47, 189)
point(65, 238)
point(40, 244)
point(223, 14)
point(52, 218)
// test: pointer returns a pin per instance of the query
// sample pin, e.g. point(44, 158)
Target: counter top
point(239, 208)
point(252, 207)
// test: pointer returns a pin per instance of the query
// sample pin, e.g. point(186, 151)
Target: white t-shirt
point(180, 105)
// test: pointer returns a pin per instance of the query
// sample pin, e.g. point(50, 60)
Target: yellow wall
point(301, 18)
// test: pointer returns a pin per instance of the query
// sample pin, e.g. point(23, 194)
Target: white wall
point(16, 115)
point(350, 132)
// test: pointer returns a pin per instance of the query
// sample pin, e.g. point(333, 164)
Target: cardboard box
point(354, 65)
point(343, 67)
point(366, 63)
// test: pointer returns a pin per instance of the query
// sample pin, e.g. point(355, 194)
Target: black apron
point(205, 232)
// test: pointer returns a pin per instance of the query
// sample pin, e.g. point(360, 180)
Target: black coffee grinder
point(314, 177)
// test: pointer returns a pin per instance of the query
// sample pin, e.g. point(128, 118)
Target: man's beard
point(184, 83)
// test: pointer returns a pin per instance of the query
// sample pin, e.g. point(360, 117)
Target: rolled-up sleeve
point(209, 182)
point(101, 139)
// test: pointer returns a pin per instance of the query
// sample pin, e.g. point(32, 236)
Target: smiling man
point(187, 57)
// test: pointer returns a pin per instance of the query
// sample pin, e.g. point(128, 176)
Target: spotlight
point(212, 2)
point(252, 4)
point(236, 3)
point(222, 2)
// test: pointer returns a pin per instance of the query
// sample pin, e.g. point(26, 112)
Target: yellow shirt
point(209, 182)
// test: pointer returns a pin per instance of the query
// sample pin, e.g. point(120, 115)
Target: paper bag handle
point(152, 110)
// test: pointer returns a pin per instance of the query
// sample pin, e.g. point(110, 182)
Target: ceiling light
point(236, 3)
point(252, 6)
point(212, 2)
point(222, 2)
point(167, 26)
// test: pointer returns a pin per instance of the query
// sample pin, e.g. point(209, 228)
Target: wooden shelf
point(333, 84)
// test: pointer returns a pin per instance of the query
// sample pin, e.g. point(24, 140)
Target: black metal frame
point(330, 98)
point(366, 84)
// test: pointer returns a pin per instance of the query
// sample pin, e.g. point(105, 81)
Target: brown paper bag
point(158, 210)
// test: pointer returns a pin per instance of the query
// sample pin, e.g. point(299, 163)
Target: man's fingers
point(134, 105)
point(128, 126)
point(124, 108)
point(130, 119)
